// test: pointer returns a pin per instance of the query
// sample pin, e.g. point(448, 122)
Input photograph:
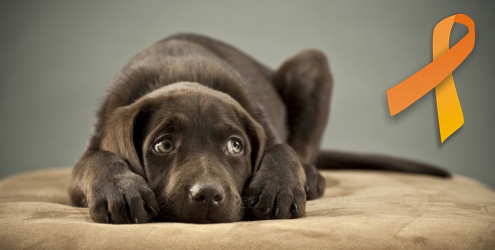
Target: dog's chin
point(205, 219)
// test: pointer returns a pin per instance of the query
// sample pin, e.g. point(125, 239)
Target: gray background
point(58, 57)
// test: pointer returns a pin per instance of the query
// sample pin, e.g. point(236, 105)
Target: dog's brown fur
point(202, 95)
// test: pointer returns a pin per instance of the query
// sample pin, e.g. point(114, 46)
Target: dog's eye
point(234, 146)
point(164, 146)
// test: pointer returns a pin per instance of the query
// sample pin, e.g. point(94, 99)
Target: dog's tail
point(356, 161)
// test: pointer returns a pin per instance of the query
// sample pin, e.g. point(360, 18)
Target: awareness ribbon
point(438, 75)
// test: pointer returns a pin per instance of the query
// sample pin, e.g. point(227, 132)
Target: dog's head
point(195, 146)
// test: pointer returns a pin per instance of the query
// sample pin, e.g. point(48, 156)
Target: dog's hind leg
point(305, 84)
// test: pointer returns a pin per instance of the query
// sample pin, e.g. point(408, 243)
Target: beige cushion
point(360, 210)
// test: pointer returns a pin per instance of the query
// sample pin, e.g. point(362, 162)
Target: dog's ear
point(257, 138)
point(124, 132)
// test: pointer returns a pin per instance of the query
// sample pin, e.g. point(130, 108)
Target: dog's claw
point(252, 203)
point(267, 211)
point(293, 208)
point(152, 211)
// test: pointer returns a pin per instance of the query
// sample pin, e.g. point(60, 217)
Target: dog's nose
point(208, 192)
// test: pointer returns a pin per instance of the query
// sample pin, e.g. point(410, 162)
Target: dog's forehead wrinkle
point(196, 102)
point(175, 120)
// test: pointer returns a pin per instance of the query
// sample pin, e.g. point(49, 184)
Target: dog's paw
point(315, 183)
point(122, 199)
point(269, 199)
point(276, 190)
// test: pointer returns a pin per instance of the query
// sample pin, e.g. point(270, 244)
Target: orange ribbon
point(438, 75)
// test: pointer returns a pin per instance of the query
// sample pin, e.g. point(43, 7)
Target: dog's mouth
point(193, 218)
point(185, 211)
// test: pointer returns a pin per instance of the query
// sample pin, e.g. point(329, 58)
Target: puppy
point(193, 130)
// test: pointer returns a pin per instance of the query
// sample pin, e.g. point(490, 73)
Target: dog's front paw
point(122, 199)
point(276, 190)
point(275, 199)
point(315, 183)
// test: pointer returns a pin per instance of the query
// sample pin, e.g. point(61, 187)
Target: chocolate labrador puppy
point(193, 130)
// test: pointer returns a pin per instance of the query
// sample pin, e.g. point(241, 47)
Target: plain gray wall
point(58, 57)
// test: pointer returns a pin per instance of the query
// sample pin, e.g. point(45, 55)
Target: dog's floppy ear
point(124, 131)
point(257, 138)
